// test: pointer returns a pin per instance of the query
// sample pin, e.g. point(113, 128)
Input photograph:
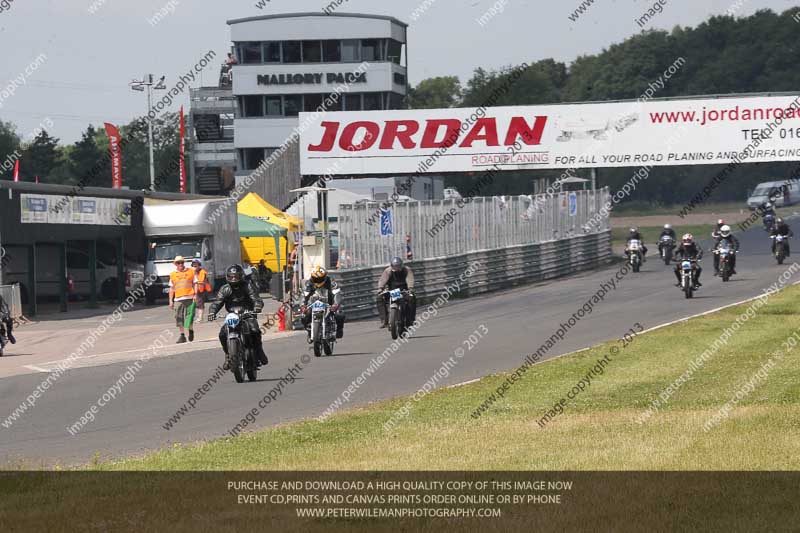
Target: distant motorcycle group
point(688, 254)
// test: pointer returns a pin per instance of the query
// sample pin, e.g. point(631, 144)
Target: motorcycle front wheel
point(237, 361)
point(317, 348)
point(394, 322)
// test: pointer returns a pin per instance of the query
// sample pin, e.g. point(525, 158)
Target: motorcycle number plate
point(232, 320)
point(395, 294)
point(686, 265)
point(318, 306)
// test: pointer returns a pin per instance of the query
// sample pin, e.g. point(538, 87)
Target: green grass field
point(634, 209)
point(601, 429)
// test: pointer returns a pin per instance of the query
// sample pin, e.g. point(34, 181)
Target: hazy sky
point(90, 58)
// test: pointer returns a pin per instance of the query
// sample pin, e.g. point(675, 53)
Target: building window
point(352, 102)
point(292, 104)
point(252, 158)
point(252, 106)
point(312, 51)
point(396, 101)
point(399, 79)
point(250, 53)
point(292, 52)
point(333, 101)
point(373, 101)
point(395, 51)
point(371, 50)
point(311, 102)
point(331, 51)
point(272, 52)
point(350, 50)
point(274, 107)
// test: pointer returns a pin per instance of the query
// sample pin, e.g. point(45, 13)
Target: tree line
point(82, 163)
point(722, 55)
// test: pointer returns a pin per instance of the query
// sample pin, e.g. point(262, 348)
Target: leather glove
point(335, 307)
point(303, 309)
point(212, 317)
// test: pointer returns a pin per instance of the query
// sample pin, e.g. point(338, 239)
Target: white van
point(781, 193)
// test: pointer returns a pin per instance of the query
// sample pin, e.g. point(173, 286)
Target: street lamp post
point(139, 85)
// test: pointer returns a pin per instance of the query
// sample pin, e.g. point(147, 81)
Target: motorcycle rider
point(396, 276)
point(726, 237)
point(781, 228)
point(634, 234)
point(688, 249)
point(715, 233)
point(768, 211)
point(238, 292)
point(327, 288)
point(666, 232)
point(6, 323)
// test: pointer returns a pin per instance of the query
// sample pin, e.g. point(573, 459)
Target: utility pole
point(140, 85)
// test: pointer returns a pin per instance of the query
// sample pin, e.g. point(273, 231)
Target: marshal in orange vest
point(183, 283)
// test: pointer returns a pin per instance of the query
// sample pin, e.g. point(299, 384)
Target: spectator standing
point(203, 288)
point(182, 291)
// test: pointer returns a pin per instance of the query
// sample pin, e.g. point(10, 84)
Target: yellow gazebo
point(254, 249)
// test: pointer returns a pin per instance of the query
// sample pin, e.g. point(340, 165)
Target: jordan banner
point(702, 131)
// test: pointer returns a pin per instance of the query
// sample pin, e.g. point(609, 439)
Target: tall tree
point(434, 93)
point(41, 157)
point(9, 144)
point(88, 164)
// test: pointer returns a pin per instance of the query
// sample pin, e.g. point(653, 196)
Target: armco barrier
point(12, 297)
point(499, 269)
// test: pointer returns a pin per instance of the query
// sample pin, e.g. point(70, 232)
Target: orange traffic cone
point(281, 319)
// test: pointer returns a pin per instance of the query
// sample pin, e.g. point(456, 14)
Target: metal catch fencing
point(491, 270)
point(11, 295)
point(370, 235)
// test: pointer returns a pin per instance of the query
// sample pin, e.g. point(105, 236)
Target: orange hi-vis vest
point(183, 283)
point(202, 281)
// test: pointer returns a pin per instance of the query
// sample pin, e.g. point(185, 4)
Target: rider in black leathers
point(238, 292)
point(667, 231)
point(322, 282)
point(781, 228)
point(688, 249)
point(396, 276)
point(725, 236)
point(634, 234)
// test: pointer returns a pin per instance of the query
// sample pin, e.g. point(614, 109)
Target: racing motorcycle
point(635, 254)
point(725, 254)
point(241, 349)
point(322, 332)
point(399, 312)
point(688, 268)
point(780, 247)
point(666, 245)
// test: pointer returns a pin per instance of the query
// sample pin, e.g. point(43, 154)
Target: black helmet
point(397, 264)
point(234, 275)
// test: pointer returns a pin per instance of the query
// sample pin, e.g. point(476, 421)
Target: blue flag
point(386, 222)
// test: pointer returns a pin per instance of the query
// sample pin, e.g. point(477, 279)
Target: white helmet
point(725, 231)
point(667, 226)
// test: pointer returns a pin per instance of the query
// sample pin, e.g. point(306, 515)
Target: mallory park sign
point(312, 78)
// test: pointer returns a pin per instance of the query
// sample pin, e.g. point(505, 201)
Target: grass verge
point(601, 429)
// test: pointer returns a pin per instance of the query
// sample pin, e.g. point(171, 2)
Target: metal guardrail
point(498, 269)
point(11, 295)
point(441, 228)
